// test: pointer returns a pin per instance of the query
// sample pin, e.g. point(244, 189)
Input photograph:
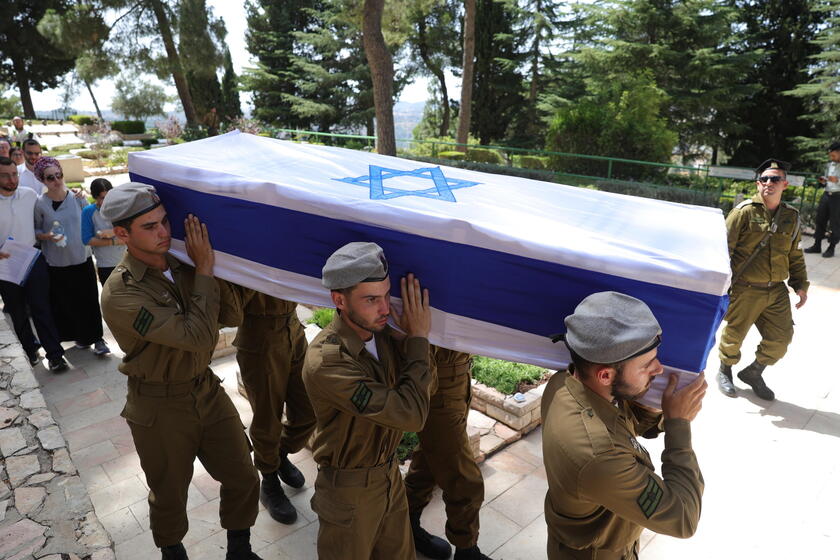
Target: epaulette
point(790, 207)
point(331, 349)
point(744, 203)
point(599, 436)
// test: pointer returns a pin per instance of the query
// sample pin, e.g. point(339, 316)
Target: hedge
point(81, 120)
point(129, 127)
point(485, 155)
point(453, 155)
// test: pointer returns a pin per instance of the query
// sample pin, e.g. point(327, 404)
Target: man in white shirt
point(19, 133)
point(828, 211)
point(31, 154)
point(17, 209)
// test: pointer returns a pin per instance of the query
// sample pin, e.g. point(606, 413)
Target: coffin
point(505, 258)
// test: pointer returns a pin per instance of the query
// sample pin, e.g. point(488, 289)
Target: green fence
point(664, 181)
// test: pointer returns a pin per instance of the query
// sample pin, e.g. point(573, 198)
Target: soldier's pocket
point(140, 415)
point(334, 513)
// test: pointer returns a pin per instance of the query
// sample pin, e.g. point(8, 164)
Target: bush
point(504, 376)
point(81, 120)
point(322, 316)
point(531, 162)
point(94, 154)
point(485, 155)
point(406, 446)
point(194, 133)
point(456, 156)
point(129, 127)
point(147, 142)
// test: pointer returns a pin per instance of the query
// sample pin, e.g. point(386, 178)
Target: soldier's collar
point(138, 268)
point(351, 340)
point(587, 398)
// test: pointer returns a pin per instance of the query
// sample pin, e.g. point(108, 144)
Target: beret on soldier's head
point(128, 201)
point(608, 327)
point(354, 263)
point(773, 163)
point(834, 146)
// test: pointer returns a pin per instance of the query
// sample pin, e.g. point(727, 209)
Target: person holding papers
point(368, 384)
point(602, 485)
point(16, 223)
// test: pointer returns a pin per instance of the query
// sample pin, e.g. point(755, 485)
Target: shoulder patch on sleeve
point(143, 321)
point(361, 397)
point(650, 497)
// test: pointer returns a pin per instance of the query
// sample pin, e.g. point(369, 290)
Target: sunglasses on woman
point(53, 177)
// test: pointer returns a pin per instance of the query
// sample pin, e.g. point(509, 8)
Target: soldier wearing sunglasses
point(763, 234)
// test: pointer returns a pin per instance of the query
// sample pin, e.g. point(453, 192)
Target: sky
point(233, 12)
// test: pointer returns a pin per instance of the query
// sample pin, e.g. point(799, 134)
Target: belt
point(166, 389)
point(757, 284)
point(352, 478)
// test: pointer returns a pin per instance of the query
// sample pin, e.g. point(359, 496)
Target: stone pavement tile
point(95, 454)
point(124, 466)
point(121, 525)
point(300, 498)
point(207, 485)
point(299, 545)
point(200, 530)
point(528, 544)
point(95, 433)
point(267, 530)
point(497, 482)
point(140, 510)
point(496, 530)
point(94, 478)
point(117, 496)
point(194, 496)
point(523, 502)
point(507, 461)
point(58, 384)
point(827, 423)
point(525, 450)
point(85, 401)
point(211, 547)
point(91, 416)
point(141, 547)
point(124, 443)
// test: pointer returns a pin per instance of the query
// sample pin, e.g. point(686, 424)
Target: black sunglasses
point(770, 179)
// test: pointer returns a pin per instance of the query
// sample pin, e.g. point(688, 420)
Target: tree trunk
point(436, 70)
point(464, 114)
point(23, 88)
point(93, 98)
point(175, 63)
point(382, 73)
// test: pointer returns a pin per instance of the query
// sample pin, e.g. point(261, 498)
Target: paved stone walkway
point(772, 471)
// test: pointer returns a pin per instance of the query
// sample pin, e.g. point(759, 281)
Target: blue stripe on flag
point(462, 279)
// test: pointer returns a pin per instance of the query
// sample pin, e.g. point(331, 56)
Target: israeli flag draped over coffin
point(505, 259)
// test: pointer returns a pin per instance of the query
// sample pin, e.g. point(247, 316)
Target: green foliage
point(129, 127)
point(453, 155)
point(231, 107)
point(621, 119)
point(200, 36)
point(138, 99)
point(191, 133)
point(504, 376)
point(322, 316)
point(531, 162)
point(81, 120)
point(94, 154)
point(486, 155)
point(406, 447)
point(9, 104)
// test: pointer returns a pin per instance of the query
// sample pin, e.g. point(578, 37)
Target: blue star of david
point(442, 189)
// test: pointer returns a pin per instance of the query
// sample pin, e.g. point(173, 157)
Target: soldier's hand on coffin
point(684, 403)
point(803, 297)
point(198, 245)
point(416, 318)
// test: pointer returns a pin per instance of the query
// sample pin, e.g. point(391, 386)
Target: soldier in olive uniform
point(602, 486)
point(368, 384)
point(763, 235)
point(444, 458)
point(270, 347)
point(165, 317)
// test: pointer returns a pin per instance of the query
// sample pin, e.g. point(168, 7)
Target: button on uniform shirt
point(603, 488)
point(17, 216)
point(364, 404)
point(833, 170)
point(781, 258)
point(27, 179)
point(167, 330)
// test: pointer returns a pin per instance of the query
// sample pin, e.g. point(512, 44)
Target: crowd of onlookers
point(59, 295)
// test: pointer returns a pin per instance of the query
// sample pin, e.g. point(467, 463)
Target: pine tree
point(231, 106)
point(199, 35)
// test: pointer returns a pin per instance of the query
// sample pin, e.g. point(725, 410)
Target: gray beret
point(609, 327)
point(354, 263)
point(128, 201)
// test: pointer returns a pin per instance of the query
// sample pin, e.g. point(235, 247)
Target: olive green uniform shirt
point(167, 330)
point(363, 405)
point(780, 259)
point(602, 486)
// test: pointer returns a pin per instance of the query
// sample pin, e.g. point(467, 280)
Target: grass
point(407, 444)
point(322, 316)
point(504, 376)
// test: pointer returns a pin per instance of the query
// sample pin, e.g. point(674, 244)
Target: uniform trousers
point(828, 213)
point(444, 458)
point(21, 301)
point(270, 353)
point(766, 308)
point(362, 514)
point(171, 425)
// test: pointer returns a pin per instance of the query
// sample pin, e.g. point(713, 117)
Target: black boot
point(724, 380)
point(239, 546)
point(275, 501)
point(472, 553)
point(829, 252)
point(289, 473)
point(426, 543)
point(816, 247)
point(751, 375)
point(174, 552)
